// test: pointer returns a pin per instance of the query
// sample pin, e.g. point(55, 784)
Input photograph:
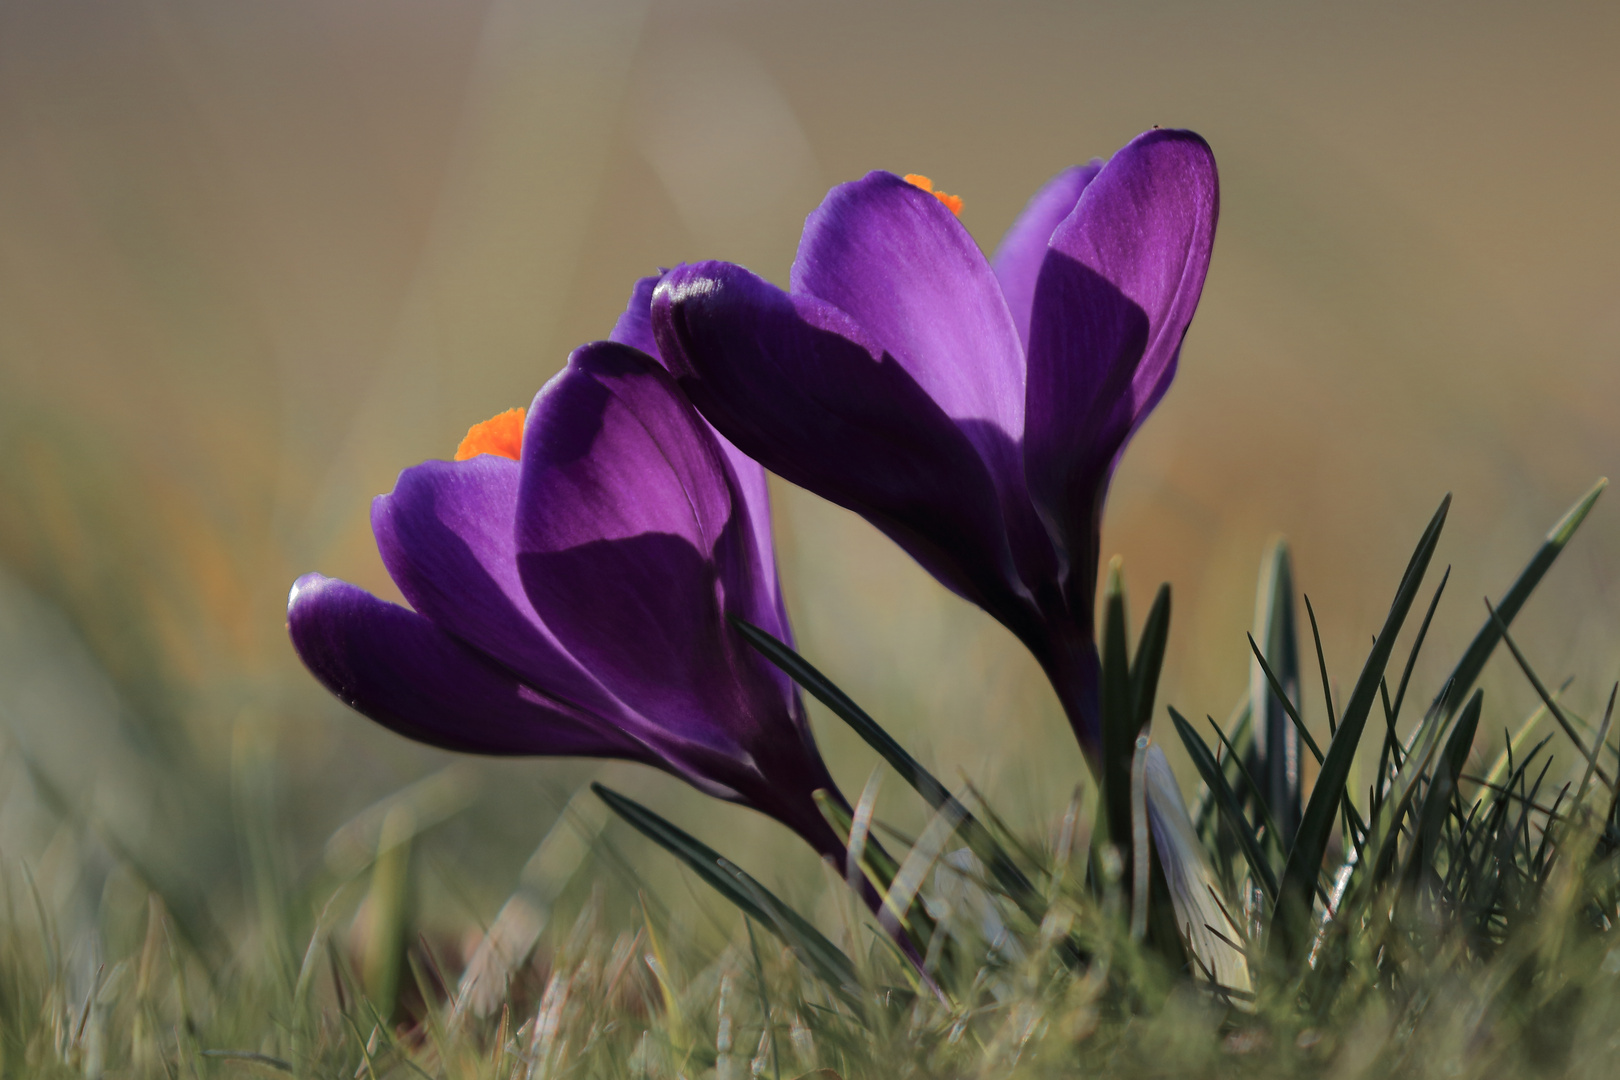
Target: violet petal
point(799, 386)
point(896, 261)
point(446, 536)
point(1113, 301)
point(633, 548)
point(402, 671)
point(1017, 261)
point(634, 327)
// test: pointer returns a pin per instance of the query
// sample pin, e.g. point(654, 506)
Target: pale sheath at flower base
point(973, 410)
point(574, 602)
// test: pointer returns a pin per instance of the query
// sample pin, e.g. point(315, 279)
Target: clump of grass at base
point(1458, 917)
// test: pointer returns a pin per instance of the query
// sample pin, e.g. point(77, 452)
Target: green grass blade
point(843, 706)
point(972, 831)
point(1485, 642)
point(1145, 668)
point(1226, 803)
point(1552, 706)
point(1149, 659)
point(1118, 718)
point(1402, 792)
point(748, 895)
point(1417, 647)
point(1437, 800)
point(875, 863)
point(1601, 741)
point(1286, 706)
point(1300, 874)
point(1274, 690)
point(1242, 773)
point(1321, 663)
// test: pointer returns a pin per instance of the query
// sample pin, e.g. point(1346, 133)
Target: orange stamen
point(953, 203)
point(501, 435)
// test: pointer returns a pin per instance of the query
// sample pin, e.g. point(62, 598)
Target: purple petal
point(1018, 260)
point(767, 608)
point(1113, 301)
point(800, 387)
point(446, 536)
point(634, 327)
point(402, 671)
point(633, 546)
point(895, 260)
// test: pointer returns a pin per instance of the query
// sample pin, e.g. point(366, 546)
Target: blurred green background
point(256, 257)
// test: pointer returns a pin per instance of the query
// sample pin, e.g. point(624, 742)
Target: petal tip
point(303, 586)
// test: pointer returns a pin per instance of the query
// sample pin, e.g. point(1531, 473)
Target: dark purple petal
point(446, 536)
point(633, 548)
point(1113, 301)
point(796, 384)
point(402, 671)
point(634, 327)
point(897, 262)
point(1018, 260)
point(766, 608)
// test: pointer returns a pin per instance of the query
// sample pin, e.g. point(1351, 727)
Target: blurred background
point(256, 257)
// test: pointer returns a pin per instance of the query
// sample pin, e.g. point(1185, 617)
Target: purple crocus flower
point(973, 410)
point(574, 602)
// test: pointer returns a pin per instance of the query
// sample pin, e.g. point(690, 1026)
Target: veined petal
point(1017, 261)
point(633, 546)
point(634, 328)
point(445, 535)
point(1113, 301)
point(402, 671)
point(802, 388)
point(897, 262)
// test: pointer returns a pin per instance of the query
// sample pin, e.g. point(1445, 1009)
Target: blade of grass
point(1350, 813)
point(872, 862)
point(1274, 689)
point(897, 902)
point(1504, 760)
point(1304, 866)
point(820, 955)
point(1248, 779)
point(1552, 706)
point(972, 831)
point(1149, 660)
point(1226, 803)
point(1288, 706)
point(1321, 663)
point(1479, 650)
point(1119, 728)
point(1437, 800)
point(1602, 740)
point(1417, 646)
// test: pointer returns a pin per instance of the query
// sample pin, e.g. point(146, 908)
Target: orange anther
point(953, 203)
point(501, 435)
